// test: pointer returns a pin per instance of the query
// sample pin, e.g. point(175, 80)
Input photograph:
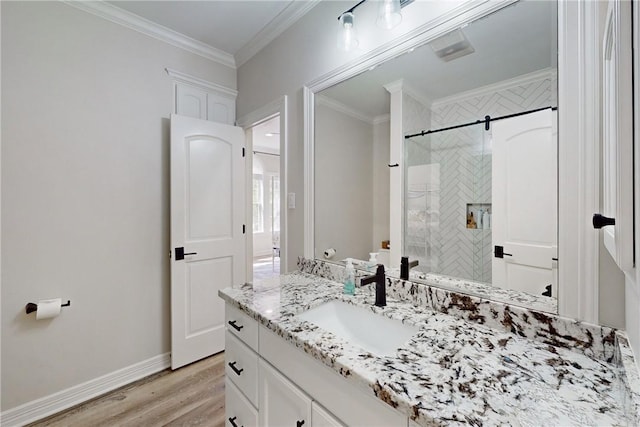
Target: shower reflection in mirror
point(476, 205)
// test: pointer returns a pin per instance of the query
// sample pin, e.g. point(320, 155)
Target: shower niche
point(478, 216)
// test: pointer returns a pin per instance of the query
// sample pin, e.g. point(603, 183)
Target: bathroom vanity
point(470, 361)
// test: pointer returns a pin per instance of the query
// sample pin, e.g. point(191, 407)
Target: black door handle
point(600, 221)
point(232, 365)
point(499, 252)
point(299, 423)
point(180, 253)
point(233, 421)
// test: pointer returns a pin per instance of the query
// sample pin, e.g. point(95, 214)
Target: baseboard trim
point(56, 402)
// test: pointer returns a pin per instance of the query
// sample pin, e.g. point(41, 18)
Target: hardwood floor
point(190, 396)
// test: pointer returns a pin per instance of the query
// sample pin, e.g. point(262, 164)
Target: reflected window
point(275, 203)
point(258, 203)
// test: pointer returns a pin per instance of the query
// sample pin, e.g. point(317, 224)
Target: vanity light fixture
point(389, 16)
point(347, 36)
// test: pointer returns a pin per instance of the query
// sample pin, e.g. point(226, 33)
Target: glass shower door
point(447, 203)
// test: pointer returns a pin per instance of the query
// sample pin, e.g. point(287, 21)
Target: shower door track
point(487, 120)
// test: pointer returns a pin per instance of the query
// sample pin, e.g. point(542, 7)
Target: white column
point(395, 173)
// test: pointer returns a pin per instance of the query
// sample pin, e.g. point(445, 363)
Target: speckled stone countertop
point(470, 287)
point(454, 371)
point(483, 290)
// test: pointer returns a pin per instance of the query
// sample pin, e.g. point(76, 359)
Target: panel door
point(617, 133)
point(207, 214)
point(525, 209)
point(281, 402)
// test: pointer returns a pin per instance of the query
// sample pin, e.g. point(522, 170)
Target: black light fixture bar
point(352, 9)
point(403, 3)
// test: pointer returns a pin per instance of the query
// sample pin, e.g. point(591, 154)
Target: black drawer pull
point(234, 325)
point(299, 423)
point(232, 365)
point(233, 421)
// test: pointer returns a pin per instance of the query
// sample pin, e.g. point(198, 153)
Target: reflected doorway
point(265, 205)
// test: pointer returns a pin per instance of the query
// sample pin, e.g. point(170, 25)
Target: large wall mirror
point(458, 137)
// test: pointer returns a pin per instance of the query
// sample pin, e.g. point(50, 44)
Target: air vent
point(451, 46)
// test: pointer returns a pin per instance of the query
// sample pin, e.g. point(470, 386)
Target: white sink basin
point(373, 332)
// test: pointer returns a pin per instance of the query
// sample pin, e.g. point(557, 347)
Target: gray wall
point(85, 194)
point(344, 184)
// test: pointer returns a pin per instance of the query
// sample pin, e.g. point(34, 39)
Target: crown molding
point(382, 118)
point(543, 74)
point(416, 94)
point(132, 21)
point(401, 86)
point(200, 83)
point(341, 108)
point(278, 25)
point(394, 86)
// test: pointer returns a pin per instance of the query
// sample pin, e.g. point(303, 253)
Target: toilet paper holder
point(31, 307)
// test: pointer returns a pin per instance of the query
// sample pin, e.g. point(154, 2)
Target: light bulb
point(390, 14)
point(347, 35)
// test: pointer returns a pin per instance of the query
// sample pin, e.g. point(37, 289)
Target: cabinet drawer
point(242, 326)
point(241, 367)
point(238, 409)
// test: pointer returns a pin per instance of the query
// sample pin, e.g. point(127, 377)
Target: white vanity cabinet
point(281, 402)
point(321, 418)
point(271, 383)
point(239, 411)
point(241, 369)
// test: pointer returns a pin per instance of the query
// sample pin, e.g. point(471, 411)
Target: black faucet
point(405, 266)
point(381, 290)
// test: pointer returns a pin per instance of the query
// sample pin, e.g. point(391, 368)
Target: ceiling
point(229, 26)
point(516, 40)
point(511, 42)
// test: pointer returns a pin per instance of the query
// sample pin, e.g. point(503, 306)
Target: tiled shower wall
point(465, 173)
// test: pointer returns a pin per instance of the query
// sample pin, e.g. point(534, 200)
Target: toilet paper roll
point(329, 253)
point(48, 308)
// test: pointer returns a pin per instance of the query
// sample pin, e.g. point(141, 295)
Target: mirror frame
point(578, 139)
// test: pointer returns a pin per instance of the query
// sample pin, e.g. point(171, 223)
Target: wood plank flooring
point(190, 396)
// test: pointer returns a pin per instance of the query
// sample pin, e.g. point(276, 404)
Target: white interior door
point(207, 232)
point(524, 202)
point(617, 132)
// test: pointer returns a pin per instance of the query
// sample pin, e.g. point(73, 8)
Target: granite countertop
point(480, 289)
point(453, 371)
point(484, 290)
